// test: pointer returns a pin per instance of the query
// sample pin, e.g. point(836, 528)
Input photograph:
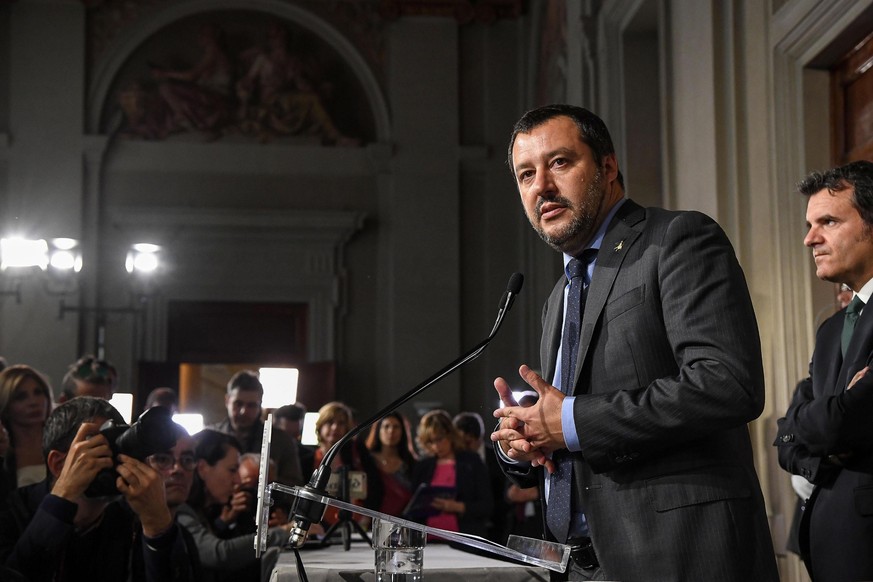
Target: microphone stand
point(308, 511)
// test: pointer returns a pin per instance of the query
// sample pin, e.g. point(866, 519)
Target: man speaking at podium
point(652, 368)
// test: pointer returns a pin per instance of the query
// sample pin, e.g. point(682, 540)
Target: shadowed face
point(243, 408)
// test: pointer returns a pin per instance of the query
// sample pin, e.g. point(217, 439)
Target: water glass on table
point(399, 552)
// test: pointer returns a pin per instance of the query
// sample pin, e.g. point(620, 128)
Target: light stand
point(345, 521)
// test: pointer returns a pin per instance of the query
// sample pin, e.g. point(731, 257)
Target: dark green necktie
point(852, 313)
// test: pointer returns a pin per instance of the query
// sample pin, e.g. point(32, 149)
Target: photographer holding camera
point(101, 514)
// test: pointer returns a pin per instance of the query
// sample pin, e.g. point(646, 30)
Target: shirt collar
point(865, 292)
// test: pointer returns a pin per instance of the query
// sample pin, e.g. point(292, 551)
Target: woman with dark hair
point(390, 445)
point(25, 404)
point(213, 507)
point(450, 465)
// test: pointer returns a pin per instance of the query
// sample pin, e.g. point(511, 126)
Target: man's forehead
point(245, 395)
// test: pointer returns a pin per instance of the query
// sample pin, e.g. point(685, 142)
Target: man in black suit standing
point(652, 368)
point(826, 435)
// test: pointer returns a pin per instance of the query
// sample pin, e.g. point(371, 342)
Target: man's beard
point(584, 216)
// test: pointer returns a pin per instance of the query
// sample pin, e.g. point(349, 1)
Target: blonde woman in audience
point(25, 404)
point(466, 501)
point(334, 421)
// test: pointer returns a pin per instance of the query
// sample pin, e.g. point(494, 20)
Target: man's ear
point(55, 462)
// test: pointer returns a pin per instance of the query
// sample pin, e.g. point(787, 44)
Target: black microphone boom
point(305, 512)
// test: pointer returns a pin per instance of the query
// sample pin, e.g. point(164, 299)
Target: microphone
point(306, 511)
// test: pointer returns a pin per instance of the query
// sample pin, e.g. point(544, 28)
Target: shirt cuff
point(162, 541)
point(61, 509)
point(568, 425)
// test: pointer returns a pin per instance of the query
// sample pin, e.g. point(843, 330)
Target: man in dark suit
point(826, 435)
point(650, 468)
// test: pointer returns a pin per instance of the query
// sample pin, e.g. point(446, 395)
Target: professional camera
point(153, 432)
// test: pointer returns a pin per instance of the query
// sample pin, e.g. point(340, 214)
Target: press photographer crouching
point(101, 514)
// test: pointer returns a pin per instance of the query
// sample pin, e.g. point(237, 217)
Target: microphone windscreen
point(515, 283)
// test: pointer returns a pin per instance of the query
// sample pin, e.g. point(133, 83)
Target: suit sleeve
point(815, 428)
point(677, 355)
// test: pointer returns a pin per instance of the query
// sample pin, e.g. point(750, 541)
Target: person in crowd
point(652, 371)
point(3, 363)
point(249, 476)
point(243, 402)
point(89, 376)
point(289, 418)
point(25, 404)
point(450, 465)
point(826, 435)
point(163, 396)
point(214, 506)
point(390, 444)
point(55, 529)
point(335, 419)
point(472, 429)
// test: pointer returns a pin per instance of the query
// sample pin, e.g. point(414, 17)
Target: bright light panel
point(66, 261)
point(19, 252)
point(142, 258)
point(308, 436)
point(191, 422)
point(123, 403)
point(280, 386)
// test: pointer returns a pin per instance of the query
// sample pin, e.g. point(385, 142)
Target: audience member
point(212, 510)
point(25, 404)
point(472, 429)
point(449, 464)
point(89, 376)
point(289, 419)
point(53, 531)
point(249, 475)
point(3, 363)
point(525, 515)
point(165, 397)
point(243, 403)
point(335, 419)
point(390, 444)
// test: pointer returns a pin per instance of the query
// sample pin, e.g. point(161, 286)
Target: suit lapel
point(620, 236)
point(552, 328)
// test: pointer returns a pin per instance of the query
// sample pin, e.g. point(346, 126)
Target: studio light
point(143, 258)
point(280, 386)
point(191, 422)
point(64, 255)
point(16, 252)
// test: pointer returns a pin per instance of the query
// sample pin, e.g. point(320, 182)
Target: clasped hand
point(530, 433)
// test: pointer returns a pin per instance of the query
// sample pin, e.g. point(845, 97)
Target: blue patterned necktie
point(559, 510)
point(853, 311)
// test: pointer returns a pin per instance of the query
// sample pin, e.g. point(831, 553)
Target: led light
point(142, 258)
point(192, 422)
point(23, 253)
point(123, 403)
point(280, 386)
point(308, 436)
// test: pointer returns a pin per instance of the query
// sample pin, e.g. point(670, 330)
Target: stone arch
point(106, 70)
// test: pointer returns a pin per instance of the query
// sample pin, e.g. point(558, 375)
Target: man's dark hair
point(291, 412)
point(592, 130)
point(245, 380)
point(855, 175)
point(92, 370)
point(469, 423)
point(63, 423)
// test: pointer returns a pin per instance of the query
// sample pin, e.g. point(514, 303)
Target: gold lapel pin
point(618, 246)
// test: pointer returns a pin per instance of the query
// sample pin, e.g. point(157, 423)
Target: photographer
point(53, 530)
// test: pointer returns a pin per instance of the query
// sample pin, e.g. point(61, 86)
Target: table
point(441, 562)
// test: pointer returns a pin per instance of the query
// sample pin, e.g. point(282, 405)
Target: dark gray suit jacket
point(823, 421)
point(670, 374)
